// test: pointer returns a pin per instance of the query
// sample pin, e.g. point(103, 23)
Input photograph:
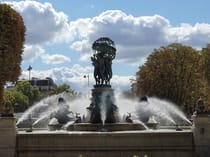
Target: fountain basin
point(53, 127)
point(152, 125)
point(153, 143)
point(105, 127)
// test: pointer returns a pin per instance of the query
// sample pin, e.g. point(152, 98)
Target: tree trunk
point(1, 97)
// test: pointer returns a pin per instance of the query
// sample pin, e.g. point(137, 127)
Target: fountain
point(65, 112)
point(107, 124)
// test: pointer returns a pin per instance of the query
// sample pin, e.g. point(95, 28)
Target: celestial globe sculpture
point(102, 108)
point(104, 53)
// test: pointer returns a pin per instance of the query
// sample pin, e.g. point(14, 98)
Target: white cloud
point(43, 22)
point(135, 37)
point(61, 73)
point(81, 46)
point(54, 59)
point(74, 76)
point(43, 25)
point(196, 36)
point(31, 52)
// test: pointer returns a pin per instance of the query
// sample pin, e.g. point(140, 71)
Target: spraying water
point(103, 110)
point(171, 110)
point(105, 105)
point(38, 109)
point(41, 113)
point(164, 112)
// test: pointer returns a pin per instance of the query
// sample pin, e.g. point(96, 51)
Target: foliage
point(205, 66)
point(172, 73)
point(12, 37)
point(28, 90)
point(63, 88)
point(18, 100)
point(205, 63)
point(23, 95)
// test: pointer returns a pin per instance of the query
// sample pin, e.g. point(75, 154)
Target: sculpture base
point(102, 108)
point(102, 86)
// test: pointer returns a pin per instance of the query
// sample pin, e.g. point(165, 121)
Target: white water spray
point(103, 111)
point(165, 113)
point(41, 112)
point(170, 110)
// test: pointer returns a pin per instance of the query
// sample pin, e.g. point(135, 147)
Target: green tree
point(30, 91)
point(63, 88)
point(18, 100)
point(206, 62)
point(12, 37)
point(205, 66)
point(23, 95)
point(172, 73)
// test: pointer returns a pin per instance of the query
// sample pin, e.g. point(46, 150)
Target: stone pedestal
point(201, 132)
point(102, 108)
point(7, 136)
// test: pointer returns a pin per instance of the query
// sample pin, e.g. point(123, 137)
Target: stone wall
point(146, 143)
point(201, 131)
point(7, 137)
point(106, 144)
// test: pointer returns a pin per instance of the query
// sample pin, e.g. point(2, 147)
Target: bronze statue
point(105, 52)
point(102, 100)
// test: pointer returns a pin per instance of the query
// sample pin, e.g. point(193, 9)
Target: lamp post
point(29, 78)
point(87, 76)
point(29, 72)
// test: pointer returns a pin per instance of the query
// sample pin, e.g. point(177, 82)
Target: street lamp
point(87, 76)
point(29, 72)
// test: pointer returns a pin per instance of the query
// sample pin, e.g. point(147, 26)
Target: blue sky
point(60, 33)
point(177, 11)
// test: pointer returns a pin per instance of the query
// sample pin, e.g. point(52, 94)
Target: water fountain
point(106, 111)
point(106, 125)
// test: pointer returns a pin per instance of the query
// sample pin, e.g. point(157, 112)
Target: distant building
point(9, 86)
point(43, 85)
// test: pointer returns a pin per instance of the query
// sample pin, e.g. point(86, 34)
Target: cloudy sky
point(60, 34)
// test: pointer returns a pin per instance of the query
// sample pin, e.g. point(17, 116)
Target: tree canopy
point(23, 95)
point(12, 37)
point(205, 62)
point(172, 72)
point(63, 88)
